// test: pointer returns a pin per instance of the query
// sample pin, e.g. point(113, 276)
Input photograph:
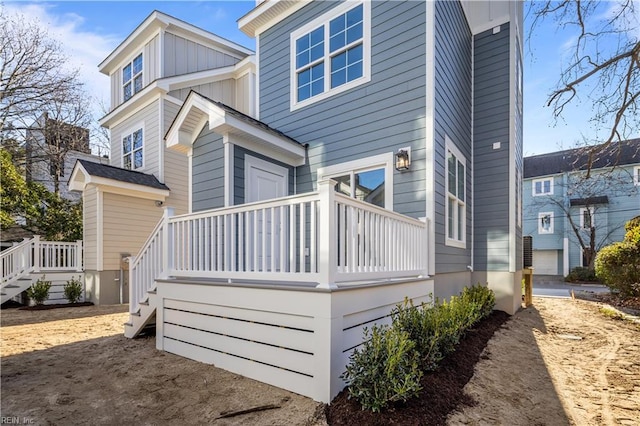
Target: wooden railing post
point(36, 253)
point(327, 247)
point(167, 244)
point(79, 256)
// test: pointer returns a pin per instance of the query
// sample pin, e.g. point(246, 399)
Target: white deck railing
point(321, 237)
point(34, 255)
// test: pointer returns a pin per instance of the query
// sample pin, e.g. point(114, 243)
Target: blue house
point(382, 160)
point(571, 216)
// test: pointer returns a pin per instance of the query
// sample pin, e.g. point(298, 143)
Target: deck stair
point(26, 262)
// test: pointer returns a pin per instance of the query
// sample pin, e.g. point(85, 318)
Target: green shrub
point(39, 291)
point(618, 264)
point(581, 274)
point(422, 324)
point(73, 290)
point(389, 364)
point(384, 369)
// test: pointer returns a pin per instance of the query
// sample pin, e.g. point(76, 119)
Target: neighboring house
point(383, 161)
point(52, 148)
point(559, 200)
point(151, 72)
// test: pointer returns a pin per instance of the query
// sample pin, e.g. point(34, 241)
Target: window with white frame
point(636, 176)
point(456, 189)
point(542, 186)
point(545, 223)
point(331, 54)
point(132, 77)
point(132, 150)
point(369, 179)
point(586, 217)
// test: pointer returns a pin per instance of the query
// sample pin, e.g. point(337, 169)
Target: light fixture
point(403, 161)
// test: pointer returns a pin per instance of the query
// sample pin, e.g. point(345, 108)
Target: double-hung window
point(132, 78)
point(636, 176)
point(132, 150)
point(456, 189)
point(542, 187)
point(330, 54)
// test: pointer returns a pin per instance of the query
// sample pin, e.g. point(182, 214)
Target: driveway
point(554, 286)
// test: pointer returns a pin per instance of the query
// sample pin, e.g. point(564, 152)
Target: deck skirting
point(298, 339)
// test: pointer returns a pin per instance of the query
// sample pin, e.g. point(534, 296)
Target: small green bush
point(581, 274)
point(39, 291)
point(618, 264)
point(384, 369)
point(73, 290)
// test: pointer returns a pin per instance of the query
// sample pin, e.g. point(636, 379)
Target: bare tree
point(583, 200)
point(43, 105)
point(604, 66)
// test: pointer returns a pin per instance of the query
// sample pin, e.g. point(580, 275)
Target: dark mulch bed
point(55, 306)
point(441, 390)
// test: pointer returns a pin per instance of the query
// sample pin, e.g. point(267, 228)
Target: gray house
point(383, 161)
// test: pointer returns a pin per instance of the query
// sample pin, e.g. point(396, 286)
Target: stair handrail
point(149, 263)
point(17, 261)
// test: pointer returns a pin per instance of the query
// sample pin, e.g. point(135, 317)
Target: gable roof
point(121, 175)
point(616, 154)
point(152, 24)
point(239, 129)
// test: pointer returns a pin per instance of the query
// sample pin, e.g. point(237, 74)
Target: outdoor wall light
point(402, 159)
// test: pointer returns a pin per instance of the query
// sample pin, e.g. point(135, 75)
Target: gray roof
point(617, 154)
point(122, 175)
point(248, 119)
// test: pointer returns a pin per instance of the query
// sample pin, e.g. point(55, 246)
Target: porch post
point(167, 246)
point(79, 256)
point(36, 253)
point(327, 233)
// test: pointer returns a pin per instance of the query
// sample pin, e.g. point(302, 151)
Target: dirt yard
point(560, 362)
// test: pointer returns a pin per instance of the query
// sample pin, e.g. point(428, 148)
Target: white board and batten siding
point(183, 56)
point(298, 339)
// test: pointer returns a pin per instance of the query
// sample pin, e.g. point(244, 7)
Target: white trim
point(455, 242)
point(430, 150)
point(129, 132)
point(257, 80)
point(254, 162)
point(542, 180)
point(126, 63)
point(228, 171)
point(161, 145)
point(541, 230)
point(267, 14)
point(158, 20)
point(592, 214)
point(140, 100)
point(385, 161)
point(323, 21)
point(190, 181)
point(100, 229)
point(636, 176)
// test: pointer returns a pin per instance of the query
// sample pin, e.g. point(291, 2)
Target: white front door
point(265, 181)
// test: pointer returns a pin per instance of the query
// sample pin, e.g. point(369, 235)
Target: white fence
point(323, 237)
point(35, 256)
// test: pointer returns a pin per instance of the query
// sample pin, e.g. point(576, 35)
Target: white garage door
point(545, 262)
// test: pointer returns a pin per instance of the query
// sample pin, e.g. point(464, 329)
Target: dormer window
point(132, 77)
point(331, 54)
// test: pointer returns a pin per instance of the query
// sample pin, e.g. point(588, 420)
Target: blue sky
point(89, 31)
